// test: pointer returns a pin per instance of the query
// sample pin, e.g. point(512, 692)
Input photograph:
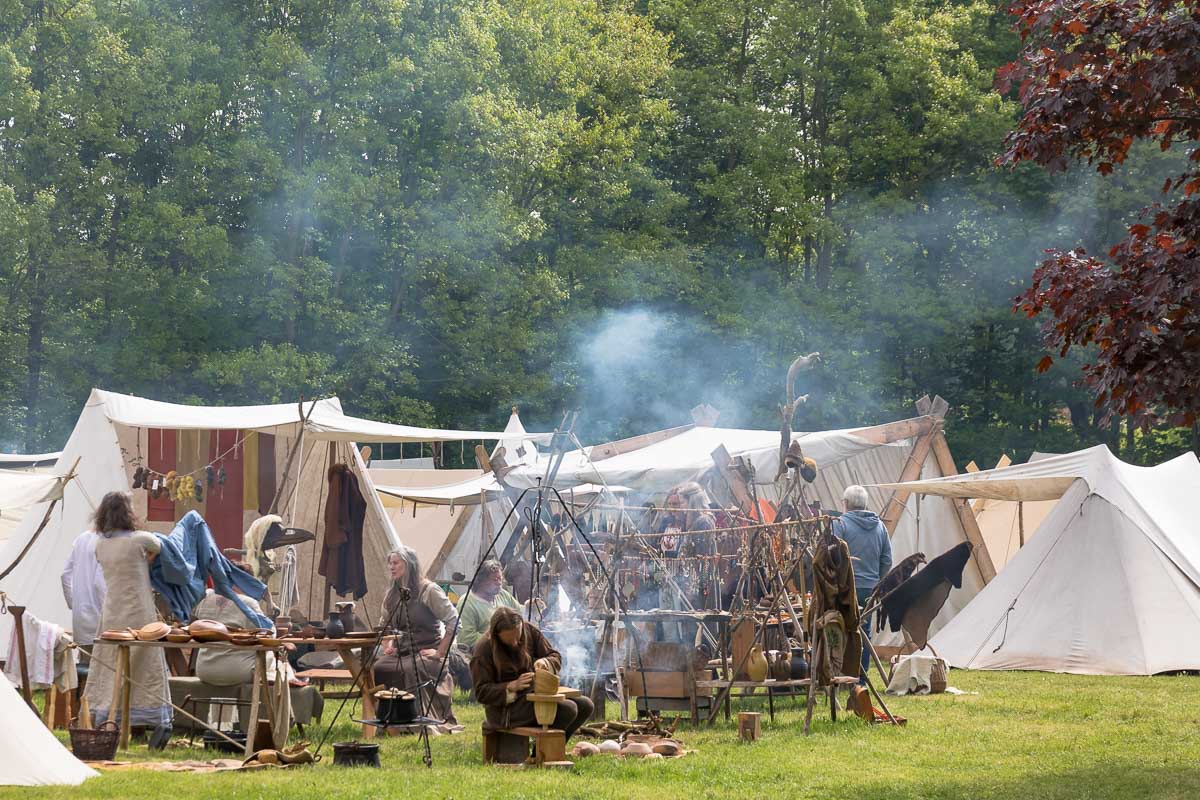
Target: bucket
point(355, 754)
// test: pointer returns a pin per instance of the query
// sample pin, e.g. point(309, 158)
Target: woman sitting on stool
point(502, 668)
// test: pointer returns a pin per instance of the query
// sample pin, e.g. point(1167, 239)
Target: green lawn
point(1023, 736)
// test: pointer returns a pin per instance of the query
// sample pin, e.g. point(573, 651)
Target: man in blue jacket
point(870, 549)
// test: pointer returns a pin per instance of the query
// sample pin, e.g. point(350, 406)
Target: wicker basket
point(95, 744)
point(937, 677)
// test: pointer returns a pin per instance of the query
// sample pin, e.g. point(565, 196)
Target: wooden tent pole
point(1021, 522)
point(287, 467)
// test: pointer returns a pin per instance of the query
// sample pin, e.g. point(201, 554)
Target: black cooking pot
point(355, 754)
point(398, 710)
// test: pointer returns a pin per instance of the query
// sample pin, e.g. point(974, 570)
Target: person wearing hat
point(871, 551)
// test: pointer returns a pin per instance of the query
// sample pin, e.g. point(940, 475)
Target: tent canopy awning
point(1046, 478)
point(326, 422)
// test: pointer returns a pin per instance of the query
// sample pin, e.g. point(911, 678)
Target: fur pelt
point(895, 576)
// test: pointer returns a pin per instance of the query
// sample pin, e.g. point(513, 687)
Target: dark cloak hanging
point(915, 603)
point(342, 550)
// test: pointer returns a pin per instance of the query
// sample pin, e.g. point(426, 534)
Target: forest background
point(438, 209)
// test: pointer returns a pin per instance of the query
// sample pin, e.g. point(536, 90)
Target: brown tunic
point(494, 666)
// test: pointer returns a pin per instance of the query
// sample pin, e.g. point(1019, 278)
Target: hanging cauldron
point(395, 706)
point(355, 754)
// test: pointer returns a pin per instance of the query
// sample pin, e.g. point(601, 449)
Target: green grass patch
point(1022, 736)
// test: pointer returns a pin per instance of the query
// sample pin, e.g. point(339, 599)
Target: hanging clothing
point(83, 588)
point(430, 616)
point(915, 603)
point(129, 603)
point(833, 613)
point(342, 549)
point(189, 558)
point(49, 657)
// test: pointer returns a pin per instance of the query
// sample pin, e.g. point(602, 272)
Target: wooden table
point(350, 651)
point(122, 688)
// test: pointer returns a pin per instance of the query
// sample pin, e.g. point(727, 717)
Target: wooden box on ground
point(668, 691)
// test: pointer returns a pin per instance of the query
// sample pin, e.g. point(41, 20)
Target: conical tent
point(30, 755)
point(1108, 586)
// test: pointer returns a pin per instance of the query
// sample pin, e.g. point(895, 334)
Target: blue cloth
point(188, 558)
point(870, 547)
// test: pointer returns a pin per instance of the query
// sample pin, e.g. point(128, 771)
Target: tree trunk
point(34, 353)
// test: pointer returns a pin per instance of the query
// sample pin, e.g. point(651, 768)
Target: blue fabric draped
point(188, 558)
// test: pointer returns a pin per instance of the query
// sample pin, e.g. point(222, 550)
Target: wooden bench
point(321, 675)
point(511, 746)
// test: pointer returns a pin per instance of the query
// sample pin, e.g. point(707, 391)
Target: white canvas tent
point(116, 432)
point(455, 513)
point(20, 491)
point(650, 465)
point(1108, 586)
point(30, 755)
point(1006, 524)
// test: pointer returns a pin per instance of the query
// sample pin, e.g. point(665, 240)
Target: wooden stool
point(511, 746)
point(749, 726)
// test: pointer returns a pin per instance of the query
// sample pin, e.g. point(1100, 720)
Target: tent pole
point(292, 455)
point(1021, 522)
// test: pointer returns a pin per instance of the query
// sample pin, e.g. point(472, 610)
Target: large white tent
point(30, 755)
point(1108, 585)
point(21, 490)
point(294, 444)
point(651, 464)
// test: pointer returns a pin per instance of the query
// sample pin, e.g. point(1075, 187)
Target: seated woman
point(502, 668)
point(432, 620)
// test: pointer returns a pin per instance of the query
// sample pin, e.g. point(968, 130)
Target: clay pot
point(609, 746)
point(781, 664)
point(334, 628)
point(799, 664)
point(666, 749)
point(637, 749)
point(756, 665)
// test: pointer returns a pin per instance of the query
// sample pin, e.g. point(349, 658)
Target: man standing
point(83, 589)
point(870, 549)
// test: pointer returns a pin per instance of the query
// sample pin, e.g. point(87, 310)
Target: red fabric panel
point(161, 445)
point(223, 504)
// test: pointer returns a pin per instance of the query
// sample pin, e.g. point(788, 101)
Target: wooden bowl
point(152, 632)
point(118, 636)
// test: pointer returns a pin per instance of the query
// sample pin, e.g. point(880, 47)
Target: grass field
point(1021, 736)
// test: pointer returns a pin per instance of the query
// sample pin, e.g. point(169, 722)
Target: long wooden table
point(348, 649)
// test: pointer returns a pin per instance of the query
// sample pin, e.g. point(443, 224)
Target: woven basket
point(95, 744)
point(937, 677)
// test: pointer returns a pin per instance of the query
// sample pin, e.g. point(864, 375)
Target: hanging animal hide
point(918, 600)
point(895, 576)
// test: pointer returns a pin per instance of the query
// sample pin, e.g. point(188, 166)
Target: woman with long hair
point(502, 668)
point(431, 620)
point(124, 554)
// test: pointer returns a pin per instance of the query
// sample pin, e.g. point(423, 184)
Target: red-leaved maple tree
point(1095, 76)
